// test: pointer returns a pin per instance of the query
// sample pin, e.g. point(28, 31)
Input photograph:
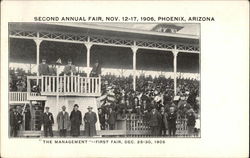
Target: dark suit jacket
point(16, 120)
point(112, 118)
point(191, 120)
point(47, 119)
point(172, 120)
point(154, 119)
point(43, 69)
point(68, 69)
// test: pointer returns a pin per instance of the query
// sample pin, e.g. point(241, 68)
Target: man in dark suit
point(96, 71)
point(102, 120)
point(171, 118)
point(15, 121)
point(27, 117)
point(90, 120)
point(155, 122)
point(43, 68)
point(111, 119)
point(47, 121)
point(69, 69)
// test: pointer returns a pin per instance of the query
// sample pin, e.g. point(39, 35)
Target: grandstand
point(132, 59)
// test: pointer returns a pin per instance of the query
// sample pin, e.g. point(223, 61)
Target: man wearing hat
point(47, 121)
point(111, 118)
point(69, 69)
point(155, 122)
point(76, 121)
point(101, 116)
point(171, 120)
point(63, 122)
point(43, 68)
point(96, 71)
point(90, 120)
point(15, 121)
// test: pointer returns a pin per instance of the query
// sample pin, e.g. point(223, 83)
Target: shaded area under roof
point(24, 51)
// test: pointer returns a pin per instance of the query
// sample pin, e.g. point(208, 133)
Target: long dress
point(76, 121)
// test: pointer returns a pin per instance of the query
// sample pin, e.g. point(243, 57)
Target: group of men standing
point(161, 121)
point(69, 69)
point(72, 122)
point(44, 68)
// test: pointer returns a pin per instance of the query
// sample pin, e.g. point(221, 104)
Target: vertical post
point(134, 49)
point(78, 83)
point(64, 83)
point(57, 86)
point(175, 53)
point(88, 45)
point(28, 86)
point(38, 42)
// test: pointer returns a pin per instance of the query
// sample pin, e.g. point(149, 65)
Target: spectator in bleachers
point(69, 69)
point(21, 84)
point(96, 71)
point(53, 70)
point(43, 68)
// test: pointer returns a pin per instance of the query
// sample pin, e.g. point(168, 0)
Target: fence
point(137, 126)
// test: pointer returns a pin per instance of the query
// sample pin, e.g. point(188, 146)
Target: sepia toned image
point(104, 80)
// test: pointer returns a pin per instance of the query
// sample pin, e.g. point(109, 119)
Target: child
point(190, 122)
point(197, 126)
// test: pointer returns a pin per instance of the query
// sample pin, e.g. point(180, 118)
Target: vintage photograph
point(104, 80)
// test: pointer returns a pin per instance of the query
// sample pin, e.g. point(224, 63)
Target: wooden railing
point(17, 97)
point(137, 124)
point(66, 85)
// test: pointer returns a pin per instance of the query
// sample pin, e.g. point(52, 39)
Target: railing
point(136, 122)
point(66, 85)
point(137, 125)
point(17, 97)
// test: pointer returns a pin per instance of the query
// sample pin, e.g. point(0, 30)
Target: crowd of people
point(18, 79)
point(154, 99)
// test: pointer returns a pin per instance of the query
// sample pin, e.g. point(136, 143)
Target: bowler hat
point(76, 105)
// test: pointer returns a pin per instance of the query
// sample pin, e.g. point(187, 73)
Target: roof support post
point(88, 46)
point(38, 43)
point(134, 49)
point(175, 53)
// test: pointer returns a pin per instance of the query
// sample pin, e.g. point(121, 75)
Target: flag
point(59, 61)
